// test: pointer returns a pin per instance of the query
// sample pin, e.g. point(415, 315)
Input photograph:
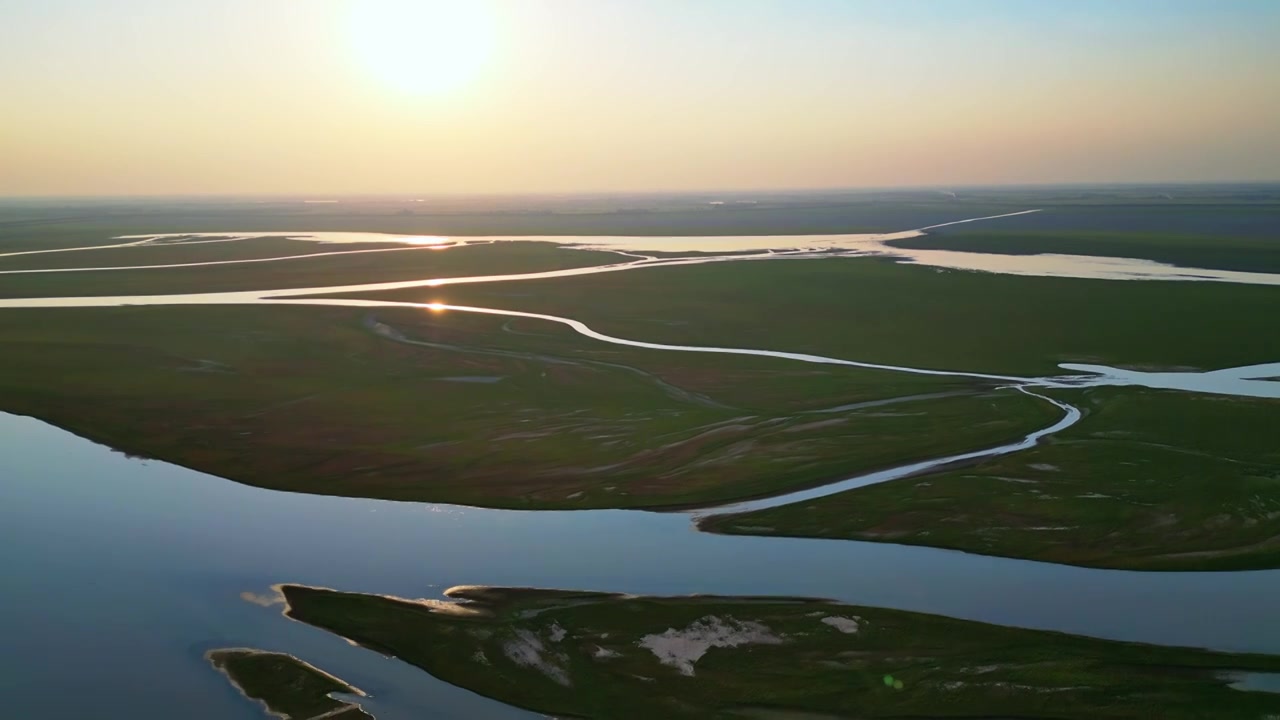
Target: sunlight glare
point(422, 47)
point(434, 241)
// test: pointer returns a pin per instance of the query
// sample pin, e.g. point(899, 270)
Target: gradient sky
point(268, 96)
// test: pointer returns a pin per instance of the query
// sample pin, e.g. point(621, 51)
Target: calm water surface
point(121, 573)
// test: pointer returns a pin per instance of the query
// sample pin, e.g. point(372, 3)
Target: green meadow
point(1216, 233)
point(883, 312)
point(448, 407)
point(581, 654)
point(321, 271)
point(412, 405)
point(1247, 255)
point(1148, 480)
point(287, 687)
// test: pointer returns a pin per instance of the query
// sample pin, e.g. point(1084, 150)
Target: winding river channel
point(122, 572)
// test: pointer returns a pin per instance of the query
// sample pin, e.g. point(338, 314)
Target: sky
point(149, 97)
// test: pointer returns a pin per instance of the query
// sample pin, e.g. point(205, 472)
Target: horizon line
point(408, 194)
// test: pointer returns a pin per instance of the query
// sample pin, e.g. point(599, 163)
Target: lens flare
point(422, 47)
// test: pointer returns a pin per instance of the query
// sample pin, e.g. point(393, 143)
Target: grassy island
point(597, 655)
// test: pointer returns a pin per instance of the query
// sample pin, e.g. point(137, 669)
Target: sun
point(422, 47)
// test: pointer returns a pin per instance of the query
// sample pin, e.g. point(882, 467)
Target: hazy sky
point(309, 96)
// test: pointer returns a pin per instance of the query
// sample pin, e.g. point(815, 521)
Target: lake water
point(121, 573)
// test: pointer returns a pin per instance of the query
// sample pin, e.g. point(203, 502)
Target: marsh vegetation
point(585, 654)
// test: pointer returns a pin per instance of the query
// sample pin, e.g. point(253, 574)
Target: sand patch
point(526, 650)
point(848, 626)
point(682, 648)
point(264, 599)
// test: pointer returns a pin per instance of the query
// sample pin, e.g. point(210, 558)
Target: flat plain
point(411, 401)
point(586, 654)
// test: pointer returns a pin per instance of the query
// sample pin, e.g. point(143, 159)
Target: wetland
point(510, 410)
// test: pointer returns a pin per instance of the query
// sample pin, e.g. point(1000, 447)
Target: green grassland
point(189, 251)
point(288, 688)
point(1217, 212)
point(1148, 480)
point(885, 312)
point(1207, 251)
point(593, 655)
point(1208, 232)
point(35, 225)
point(412, 405)
point(419, 264)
